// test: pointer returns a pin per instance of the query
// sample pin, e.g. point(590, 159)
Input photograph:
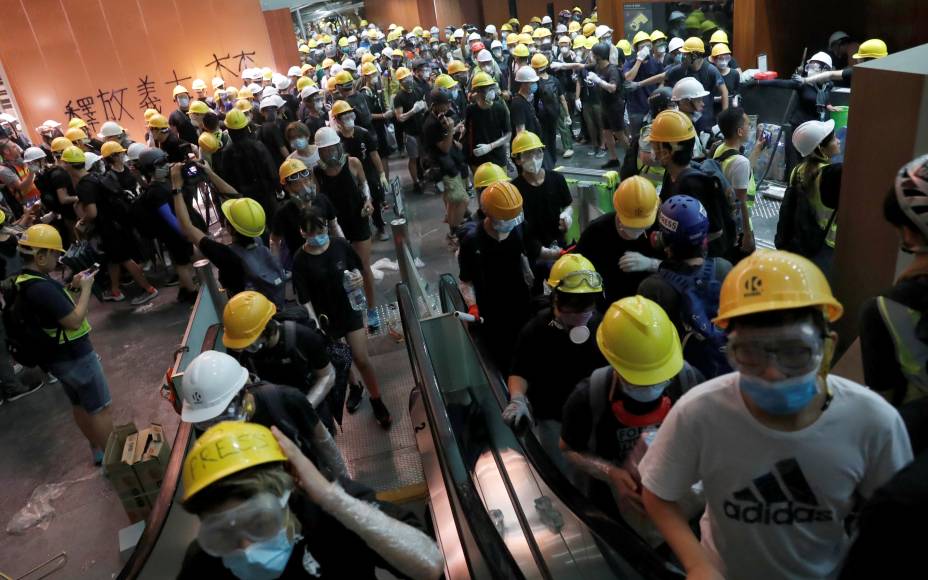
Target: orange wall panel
point(61, 52)
point(403, 13)
point(279, 25)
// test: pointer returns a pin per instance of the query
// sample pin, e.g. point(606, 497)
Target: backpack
point(47, 195)
point(797, 227)
point(718, 197)
point(263, 273)
point(704, 343)
point(26, 342)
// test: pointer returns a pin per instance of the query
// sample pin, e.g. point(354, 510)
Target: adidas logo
point(783, 497)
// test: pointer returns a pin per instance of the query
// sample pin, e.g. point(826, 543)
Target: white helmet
point(526, 74)
point(837, 36)
point(546, 19)
point(268, 102)
point(89, 159)
point(255, 89)
point(334, 70)
point(912, 192)
point(51, 124)
point(352, 39)
point(810, 135)
point(349, 64)
point(822, 57)
point(210, 382)
point(33, 154)
point(484, 56)
point(293, 71)
point(490, 29)
point(282, 84)
point(326, 136)
point(459, 33)
point(676, 43)
point(309, 91)
point(110, 129)
point(601, 31)
point(496, 44)
point(132, 153)
point(387, 52)
point(473, 36)
point(560, 29)
point(688, 88)
point(433, 30)
point(268, 91)
point(676, 15)
point(218, 82)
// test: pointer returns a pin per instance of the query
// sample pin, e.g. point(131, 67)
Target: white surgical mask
point(645, 394)
point(532, 165)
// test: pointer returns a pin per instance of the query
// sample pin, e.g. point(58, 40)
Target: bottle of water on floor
point(355, 295)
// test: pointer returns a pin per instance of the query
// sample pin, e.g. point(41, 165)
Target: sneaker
point(173, 281)
point(50, 379)
point(355, 397)
point(147, 266)
point(373, 320)
point(144, 297)
point(381, 413)
point(108, 296)
point(601, 153)
point(592, 152)
point(383, 236)
point(568, 154)
point(18, 392)
point(612, 163)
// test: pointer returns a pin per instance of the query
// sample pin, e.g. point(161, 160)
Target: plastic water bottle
point(355, 295)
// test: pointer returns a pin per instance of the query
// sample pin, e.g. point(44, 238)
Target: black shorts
point(340, 328)
point(181, 251)
point(356, 230)
point(119, 245)
point(614, 117)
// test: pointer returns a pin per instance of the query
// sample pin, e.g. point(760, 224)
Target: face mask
point(407, 85)
point(455, 93)
point(426, 72)
point(335, 162)
point(546, 46)
point(644, 394)
point(574, 319)
point(487, 68)
point(255, 347)
point(678, 58)
point(162, 173)
point(631, 233)
point(261, 560)
point(317, 241)
point(497, 54)
point(660, 48)
point(723, 62)
point(308, 193)
point(506, 226)
point(183, 101)
point(533, 89)
point(299, 143)
point(35, 167)
point(318, 103)
point(348, 123)
point(565, 49)
point(532, 165)
point(490, 95)
point(696, 115)
point(784, 397)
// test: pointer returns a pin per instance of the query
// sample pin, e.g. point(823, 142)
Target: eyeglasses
point(299, 176)
point(580, 277)
point(792, 355)
point(258, 518)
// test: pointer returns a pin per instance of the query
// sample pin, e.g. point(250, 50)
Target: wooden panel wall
point(279, 25)
point(403, 13)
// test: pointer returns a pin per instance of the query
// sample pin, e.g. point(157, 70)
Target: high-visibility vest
point(63, 335)
point(911, 352)
point(752, 185)
point(822, 213)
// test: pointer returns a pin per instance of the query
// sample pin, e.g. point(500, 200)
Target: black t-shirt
point(521, 112)
point(10, 263)
point(185, 129)
point(320, 279)
point(539, 358)
point(147, 215)
point(482, 126)
point(176, 148)
point(293, 367)
point(495, 268)
point(362, 110)
point(709, 77)
point(49, 183)
point(602, 245)
point(314, 123)
point(881, 365)
point(542, 206)
point(660, 291)
point(289, 219)
point(231, 270)
point(361, 144)
point(548, 100)
point(612, 74)
point(271, 134)
point(126, 180)
point(48, 301)
point(433, 132)
point(338, 552)
point(111, 215)
point(405, 100)
point(343, 191)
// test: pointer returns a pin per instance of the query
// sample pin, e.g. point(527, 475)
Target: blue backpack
point(704, 343)
point(263, 273)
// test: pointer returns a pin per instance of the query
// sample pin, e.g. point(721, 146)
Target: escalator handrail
point(621, 539)
point(492, 548)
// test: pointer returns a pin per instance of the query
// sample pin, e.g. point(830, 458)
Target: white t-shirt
point(758, 481)
point(738, 172)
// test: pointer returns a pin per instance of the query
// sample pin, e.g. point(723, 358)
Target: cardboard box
point(151, 458)
point(134, 462)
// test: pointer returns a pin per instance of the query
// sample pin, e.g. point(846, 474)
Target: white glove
point(418, 107)
point(567, 218)
point(644, 53)
point(556, 65)
point(635, 262)
point(518, 413)
point(593, 78)
point(482, 149)
point(384, 183)
point(578, 104)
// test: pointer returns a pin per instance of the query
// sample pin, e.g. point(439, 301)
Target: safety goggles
point(299, 176)
point(234, 411)
point(794, 351)
point(258, 518)
point(579, 278)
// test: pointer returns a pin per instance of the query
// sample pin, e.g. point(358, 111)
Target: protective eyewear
point(234, 411)
point(258, 518)
point(580, 277)
point(299, 176)
point(793, 353)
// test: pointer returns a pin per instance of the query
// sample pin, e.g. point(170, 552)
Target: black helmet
point(602, 50)
point(150, 158)
point(659, 100)
point(439, 96)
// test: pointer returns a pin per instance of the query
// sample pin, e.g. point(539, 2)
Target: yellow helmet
point(75, 134)
point(236, 119)
point(564, 39)
point(198, 107)
point(636, 202)
point(574, 26)
point(111, 147)
point(527, 29)
point(719, 49)
point(520, 51)
point(402, 73)
point(541, 33)
point(367, 57)
point(73, 154)
point(158, 121)
point(42, 237)
point(506, 27)
point(718, 36)
point(489, 173)
point(526, 39)
point(641, 36)
point(59, 144)
point(589, 28)
point(535, 19)
point(512, 39)
point(526, 141)
point(343, 42)
point(305, 68)
point(368, 69)
point(640, 342)
point(501, 201)
point(590, 42)
point(179, 90)
point(658, 35)
point(246, 94)
point(707, 25)
point(232, 91)
point(340, 107)
point(343, 78)
point(873, 48)
point(445, 82)
point(304, 48)
point(243, 105)
point(481, 79)
point(245, 214)
point(693, 44)
point(574, 274)
point(539, 61)
point(326, 63)
point(226, 449)
point(770, 280)
point(303, 82)
point(312, 43)
point(208, 142)
point(148, 113)
point(456, 66)
point(625, 46)
point(692, 22)
point(331, 84)
point(579, 42)
point(76, 123)
point(672, 126)
point(289, 167)
point(246, 315)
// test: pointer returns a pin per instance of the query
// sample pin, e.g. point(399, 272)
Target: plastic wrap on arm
point(324, 379)
point(328, 453)
point(595, 467)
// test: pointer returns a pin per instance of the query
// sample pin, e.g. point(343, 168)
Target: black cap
point(151, 157)
point(439, 96)
point(602, 50)
point(418, 63)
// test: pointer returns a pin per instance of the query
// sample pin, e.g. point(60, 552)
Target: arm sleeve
point(881, 368)
point(740, 172)
point(563, 192)
point(781, 83)
point(576, 421)
point(670, 466)
point(312, 345)
point(517, 115)
point(222, 257)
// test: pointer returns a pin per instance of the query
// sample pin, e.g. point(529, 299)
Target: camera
point(193, 174)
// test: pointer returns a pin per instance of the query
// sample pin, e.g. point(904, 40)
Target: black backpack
point(26, 342)
point(797, 228)
point(715, 194)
